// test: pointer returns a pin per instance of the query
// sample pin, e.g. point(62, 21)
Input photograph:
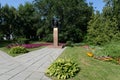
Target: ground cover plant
point(109, 52)
point(17, 50)
point(91, 69)
point(112, 49)
point(63, 69)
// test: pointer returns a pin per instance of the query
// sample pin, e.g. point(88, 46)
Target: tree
point(73, 15)
point(7, 18)
point(26, 21)
point(34, 20)
point(105, 27)
point(1, 34)
point(114, 9)
point(116, 12)
point(0, 15)
point(102, 29)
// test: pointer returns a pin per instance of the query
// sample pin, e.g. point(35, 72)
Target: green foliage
point(105, 27)
point(79, 44)
point(23, 40)
point(48, 38)
point(91, 69)
point(63, 69)
point(73, 16)
point(69, 43)
point(18, 22)
point(7, 15)
point(102, 30)
point(18, 50)
point(27, 19)
point(115, 9)
point(111, 49)
point(33, 21)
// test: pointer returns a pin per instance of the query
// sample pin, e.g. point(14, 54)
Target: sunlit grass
point(91, 69)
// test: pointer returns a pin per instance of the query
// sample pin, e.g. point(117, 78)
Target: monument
point(55, 25)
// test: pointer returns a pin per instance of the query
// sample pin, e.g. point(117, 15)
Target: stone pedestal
point(55, 37)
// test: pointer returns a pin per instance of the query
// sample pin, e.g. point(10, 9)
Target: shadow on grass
point(4, 43)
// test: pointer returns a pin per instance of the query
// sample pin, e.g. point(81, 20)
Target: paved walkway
point(30, 66)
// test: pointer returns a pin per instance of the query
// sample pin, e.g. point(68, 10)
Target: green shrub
point(79, 44)
point(23, 41)
point(48, 38)
point(63, 69)
point(69, 43)
point(112, 49)
point(18, 50)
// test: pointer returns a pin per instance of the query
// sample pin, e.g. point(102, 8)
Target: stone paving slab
point(29, 66)
point(5, 57)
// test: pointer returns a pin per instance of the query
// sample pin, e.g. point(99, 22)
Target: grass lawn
point(91, 69)
point(3, 47)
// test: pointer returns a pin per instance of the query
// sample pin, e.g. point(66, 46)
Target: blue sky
point(96, 3)
point(14, 3)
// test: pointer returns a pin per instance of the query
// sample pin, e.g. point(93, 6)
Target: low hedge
point(18, 50)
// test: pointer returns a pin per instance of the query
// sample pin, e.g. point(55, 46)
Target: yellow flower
point(90, 54)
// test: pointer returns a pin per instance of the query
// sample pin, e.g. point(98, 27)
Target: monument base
point(52, 46)
point(60, 46)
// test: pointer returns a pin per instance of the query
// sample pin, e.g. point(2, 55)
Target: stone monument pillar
point(55, 25)
point(55, 36)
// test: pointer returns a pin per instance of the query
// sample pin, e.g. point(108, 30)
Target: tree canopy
point(105, 27)
point(73, 15)
point(77, 21)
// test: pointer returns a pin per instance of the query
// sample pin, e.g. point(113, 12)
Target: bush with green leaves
point(112, 49)
point(23, 40)
point(63, 69)
point(79, 44)
point(18, 50)
point(48, 38)
point(69, 43)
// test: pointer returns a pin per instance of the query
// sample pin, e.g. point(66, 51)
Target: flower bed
point(109, 53)
point(35, 45)
point(104, 58)
point(29, 45)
